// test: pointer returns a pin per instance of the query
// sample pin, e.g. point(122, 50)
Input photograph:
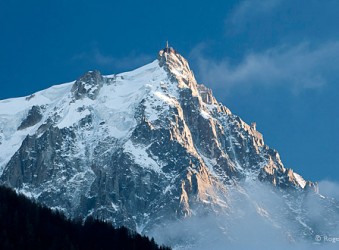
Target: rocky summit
point(151, 148)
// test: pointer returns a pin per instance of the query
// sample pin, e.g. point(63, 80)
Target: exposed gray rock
point(88, 85)
point(164, 151)
point(34, 116)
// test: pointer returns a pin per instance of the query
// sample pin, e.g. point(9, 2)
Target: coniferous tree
point(26, 225)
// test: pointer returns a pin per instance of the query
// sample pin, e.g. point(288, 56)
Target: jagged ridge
point(137, 148)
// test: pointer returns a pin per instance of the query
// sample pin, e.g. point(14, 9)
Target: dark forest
point(27, 225)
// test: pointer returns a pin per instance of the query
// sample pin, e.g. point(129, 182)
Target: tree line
point(27, 225)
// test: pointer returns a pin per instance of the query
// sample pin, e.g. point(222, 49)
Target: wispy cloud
point(259, 218)
point(329, 189)
point(247, 10)
point(296, 67)
point(98, 58)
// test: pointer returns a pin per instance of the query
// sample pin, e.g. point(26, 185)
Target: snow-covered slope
point(14, 111)
point(146, 148)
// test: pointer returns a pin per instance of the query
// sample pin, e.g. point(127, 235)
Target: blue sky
point(269, 61)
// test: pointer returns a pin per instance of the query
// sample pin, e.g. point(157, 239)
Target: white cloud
point(118, 63)
point(295, 67)
point(246, 10)
point(259, 218)
point(329, 189)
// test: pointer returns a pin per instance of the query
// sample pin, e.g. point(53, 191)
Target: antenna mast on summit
point(167, 44)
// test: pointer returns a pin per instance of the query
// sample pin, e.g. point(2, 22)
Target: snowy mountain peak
point(178, 68)
point(139, 148)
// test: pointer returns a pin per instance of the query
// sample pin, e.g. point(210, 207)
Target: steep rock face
point(138, 149)
point(34, 116)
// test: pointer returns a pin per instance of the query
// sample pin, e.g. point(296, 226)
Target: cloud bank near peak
point(297, 67)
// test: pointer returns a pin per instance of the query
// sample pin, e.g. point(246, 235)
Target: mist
point(329, 189)
point(258, 217)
